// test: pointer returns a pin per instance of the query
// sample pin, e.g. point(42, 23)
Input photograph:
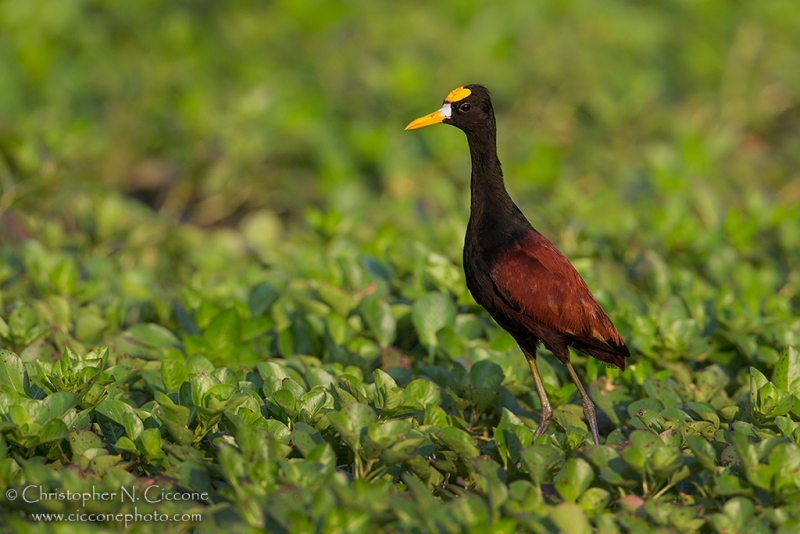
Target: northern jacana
point(516, 273)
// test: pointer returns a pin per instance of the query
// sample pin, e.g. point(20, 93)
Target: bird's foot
point(547, 416)
point(591, 418)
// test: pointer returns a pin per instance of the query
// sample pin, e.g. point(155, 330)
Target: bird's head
point(468, 108)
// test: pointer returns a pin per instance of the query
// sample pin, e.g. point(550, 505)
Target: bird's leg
point(547, 411)
point(588, 405)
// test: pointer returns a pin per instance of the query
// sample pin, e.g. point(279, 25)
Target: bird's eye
point(464, 107)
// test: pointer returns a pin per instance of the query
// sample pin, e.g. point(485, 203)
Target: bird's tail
point(617, 357)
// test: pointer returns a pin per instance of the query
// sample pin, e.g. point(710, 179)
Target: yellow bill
point(443, 113)
point(433, 118)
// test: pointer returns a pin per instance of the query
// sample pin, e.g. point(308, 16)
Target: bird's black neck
point(491, 205)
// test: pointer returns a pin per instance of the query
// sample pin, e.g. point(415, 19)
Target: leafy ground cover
point(224, 269)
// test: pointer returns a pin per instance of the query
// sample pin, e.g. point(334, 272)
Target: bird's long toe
point(591, 418)
point(544, 423)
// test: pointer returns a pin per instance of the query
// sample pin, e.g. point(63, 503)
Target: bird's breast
point(476, 272)
point(479, 262)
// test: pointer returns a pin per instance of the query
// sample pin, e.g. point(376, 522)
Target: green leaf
point(152, 335)
point(773, 402)
point(663, 392)
point(727, 484)
point(511, 437)
point(116, 411)
point(665, 461)
point(644, 441)
point(12, 372)
point(703, 451)
point(149, 443)
point(82, 440)
point(380, 320)
point(637, 408)
point(540, 461)
point(53, 430)
point(175, 412)
point(353, 422)
point(594, 500)
point(200, 384)
point(405, 450)
point(706, 412)
point(338, 299)
point(306, 438)
point(739, 510)
point(431, 313)
point(380, 436)
point(609, 400)
point(133, 425)
point(491, 480)
point(175, 418)
point(262, 297)
point(271, 369)
point(570, 519)
point(573, 479)
point(217, 398)
point(458, 441)
point(486, 374)
point(287, 402)
point(60, 402)
point(786, 374)
point(389, 397)
point(173, 374)
point(198, 364)
point(23, 327)
point(278, 431)
point(757, 381)
point(423, 393)
point(124, 444)
point(786, 426)
point(224, 330)
point(295, 388)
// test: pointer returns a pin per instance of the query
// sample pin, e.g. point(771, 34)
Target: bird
point(525, 283)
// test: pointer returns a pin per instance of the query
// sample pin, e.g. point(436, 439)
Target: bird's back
point(532, 290)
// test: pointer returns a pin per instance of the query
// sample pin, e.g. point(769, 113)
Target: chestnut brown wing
point(541, 285)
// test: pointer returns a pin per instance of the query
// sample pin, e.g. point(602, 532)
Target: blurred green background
point(211, 110)
point(648, 140)
point(657, 143)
